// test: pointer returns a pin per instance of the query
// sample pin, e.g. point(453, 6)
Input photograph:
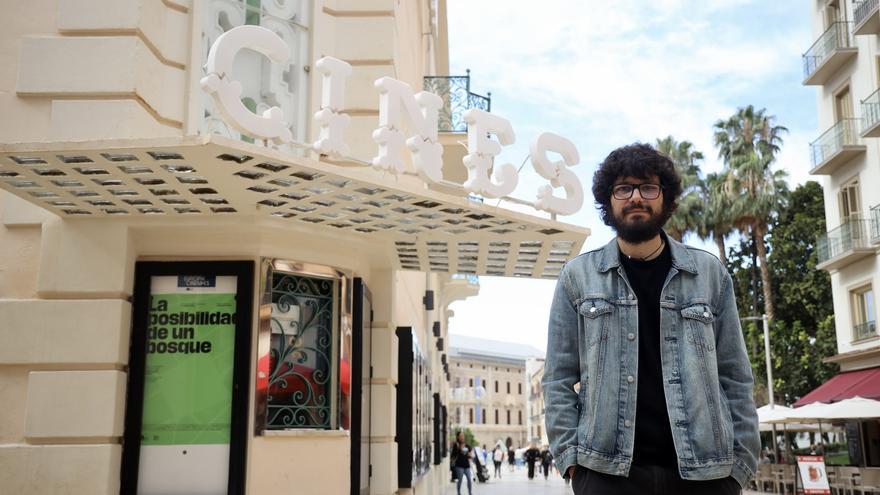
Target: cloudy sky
point(604, 74)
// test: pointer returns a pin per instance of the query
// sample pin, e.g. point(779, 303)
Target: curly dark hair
point(636, 160)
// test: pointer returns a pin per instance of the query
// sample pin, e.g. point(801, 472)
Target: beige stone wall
point(120, 69)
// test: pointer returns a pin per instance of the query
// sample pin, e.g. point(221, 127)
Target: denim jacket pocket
point(595, 315)
point(698, 321)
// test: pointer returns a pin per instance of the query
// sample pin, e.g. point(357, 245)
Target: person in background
point(546, 460)
point(461, 455)
point(532, 456)
point(511, 458)
point(498, 458)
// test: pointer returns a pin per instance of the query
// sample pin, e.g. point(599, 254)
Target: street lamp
point(769, 369)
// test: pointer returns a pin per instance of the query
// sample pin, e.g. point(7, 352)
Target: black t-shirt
point(461, 452)
point(653, 435)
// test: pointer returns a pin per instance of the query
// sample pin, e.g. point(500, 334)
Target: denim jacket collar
point(681, 257)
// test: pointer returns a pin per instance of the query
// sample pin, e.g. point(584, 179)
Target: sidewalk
point(518, 483)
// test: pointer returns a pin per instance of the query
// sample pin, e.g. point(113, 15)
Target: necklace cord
point(662, 244)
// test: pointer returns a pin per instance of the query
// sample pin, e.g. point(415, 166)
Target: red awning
point(864, 383)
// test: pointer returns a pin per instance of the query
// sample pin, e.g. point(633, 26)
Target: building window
point(849, 199)
point(843, 107)
point(483, 416)
point(508, 387)
point(307, 344)
point(864, 325)
point(470, 382)
point(496, 386)
point(508, 416)
point(471, 415)
point(519, 414)
point(519, 388)
point(285, 85)
point(496, 417)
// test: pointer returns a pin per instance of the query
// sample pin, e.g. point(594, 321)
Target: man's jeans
point(648, 480)
point(459, 473)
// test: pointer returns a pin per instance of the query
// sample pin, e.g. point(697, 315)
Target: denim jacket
point(593, 341)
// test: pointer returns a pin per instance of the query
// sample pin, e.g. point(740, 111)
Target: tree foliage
point(802, 332)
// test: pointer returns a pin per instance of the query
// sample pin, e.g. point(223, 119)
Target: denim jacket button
point(593, 309)
point(627, 423)
point(631, 336)
point(631, 297)
point(705, 314)
point(630, 379)
point(621, 466)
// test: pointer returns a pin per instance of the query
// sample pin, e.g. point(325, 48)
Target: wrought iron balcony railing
point(837, 36)
point(871, 111)
point(844, 132)
point(457, 99)
point(875, 223)
point(863, 9)
point(851, 234)
point(864, 330)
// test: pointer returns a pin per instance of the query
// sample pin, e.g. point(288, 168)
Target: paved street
point(518, 483)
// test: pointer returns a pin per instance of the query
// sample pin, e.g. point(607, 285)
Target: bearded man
point(647, 383)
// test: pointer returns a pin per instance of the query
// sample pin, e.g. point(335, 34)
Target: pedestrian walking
point(498, 458)
point(647, 383)
point(511, 458)
point(461, 455)
point(546, 460)
point(532, 455)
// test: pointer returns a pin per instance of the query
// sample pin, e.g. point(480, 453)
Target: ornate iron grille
point(457, 99)
point(301, 354)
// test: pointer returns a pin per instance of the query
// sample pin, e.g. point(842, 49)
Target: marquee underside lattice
point(429, 230)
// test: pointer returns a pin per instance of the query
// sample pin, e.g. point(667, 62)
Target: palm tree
point(716, 222)
point(686, 217)
point(748, 142)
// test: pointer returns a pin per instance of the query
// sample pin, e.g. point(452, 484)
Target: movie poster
point(188, 385)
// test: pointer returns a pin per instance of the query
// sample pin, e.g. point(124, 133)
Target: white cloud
point(609, 73)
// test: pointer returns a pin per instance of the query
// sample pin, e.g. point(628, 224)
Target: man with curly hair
point(647, 384)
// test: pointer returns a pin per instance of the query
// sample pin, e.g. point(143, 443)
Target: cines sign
point(397, 102)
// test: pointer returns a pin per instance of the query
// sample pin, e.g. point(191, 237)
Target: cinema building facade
point(189, 305)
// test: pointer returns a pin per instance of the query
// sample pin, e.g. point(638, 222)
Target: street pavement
point(518, 483)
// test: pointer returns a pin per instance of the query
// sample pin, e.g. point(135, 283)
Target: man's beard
point(638, 230)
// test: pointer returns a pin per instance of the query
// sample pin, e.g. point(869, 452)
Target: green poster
point(188, 369)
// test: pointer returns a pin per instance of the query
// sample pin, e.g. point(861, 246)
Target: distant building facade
point(490, 389)
point(537, 428)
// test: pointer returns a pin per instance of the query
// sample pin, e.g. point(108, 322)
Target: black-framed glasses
point(646, 191)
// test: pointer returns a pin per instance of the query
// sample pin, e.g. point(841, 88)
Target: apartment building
point(843, 64)
point(204, 287)
point(490, 392)
point(537, 426)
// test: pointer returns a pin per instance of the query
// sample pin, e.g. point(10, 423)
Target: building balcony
point(864, 330)
point(871, 115)
point(830, 52)
point(836, 146)
point(866, 17)
point(875, 224)
point(844, 245)
point(459, 286)
point(457, 99)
